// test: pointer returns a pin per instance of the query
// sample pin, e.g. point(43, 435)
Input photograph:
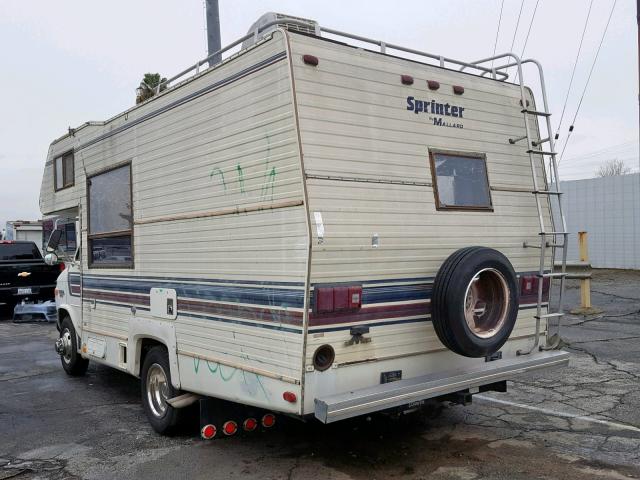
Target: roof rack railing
point(442, 60)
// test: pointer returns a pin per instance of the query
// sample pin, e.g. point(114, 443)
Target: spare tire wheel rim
point(486, 303)
point(157, 390)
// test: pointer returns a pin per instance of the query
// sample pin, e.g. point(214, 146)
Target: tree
point(148, 85)
point(612, 168)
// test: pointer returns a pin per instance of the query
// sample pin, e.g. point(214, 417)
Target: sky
point(71, 61)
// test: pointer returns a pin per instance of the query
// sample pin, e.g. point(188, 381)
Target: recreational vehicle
point(319, 225)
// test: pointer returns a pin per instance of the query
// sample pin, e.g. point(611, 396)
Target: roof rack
point(288, 22)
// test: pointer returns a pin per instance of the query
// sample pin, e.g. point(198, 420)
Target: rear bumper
point(389, 395)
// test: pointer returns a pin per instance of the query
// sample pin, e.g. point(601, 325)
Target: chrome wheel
point(157, 390)
point(486, 303)
point(64, 346)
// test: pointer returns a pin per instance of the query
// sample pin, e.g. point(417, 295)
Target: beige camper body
point(296, 165)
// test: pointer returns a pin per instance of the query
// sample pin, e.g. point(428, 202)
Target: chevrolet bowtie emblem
point(24, 274)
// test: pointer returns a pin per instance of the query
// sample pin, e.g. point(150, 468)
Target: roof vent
point(305, 26)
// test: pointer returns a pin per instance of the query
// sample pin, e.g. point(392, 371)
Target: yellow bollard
point(585, 284)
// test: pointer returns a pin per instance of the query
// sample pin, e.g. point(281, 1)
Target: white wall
point(609, 210)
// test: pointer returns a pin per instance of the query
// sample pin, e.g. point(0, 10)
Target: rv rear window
point(110, 218)
point(460, 181)
point(64, 174)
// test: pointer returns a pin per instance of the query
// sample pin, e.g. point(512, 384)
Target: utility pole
point(638, 20)
point(213, 30)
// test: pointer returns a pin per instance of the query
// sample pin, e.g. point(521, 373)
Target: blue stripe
point(396, 293)
point(259, 296)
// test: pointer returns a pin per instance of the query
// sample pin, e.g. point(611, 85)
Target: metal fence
point(608, 209)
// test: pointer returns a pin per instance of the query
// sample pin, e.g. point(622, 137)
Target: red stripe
point(371, 313)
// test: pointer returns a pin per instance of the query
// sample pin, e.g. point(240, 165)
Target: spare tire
point(474, 305)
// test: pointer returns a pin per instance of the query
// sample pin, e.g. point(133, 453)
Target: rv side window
point(64, 174)
point(460, 181)
point(110, 218)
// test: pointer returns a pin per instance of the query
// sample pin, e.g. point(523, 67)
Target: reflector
point(230, 427)
point(250, 424)
point(289, 397)
point(268, 420)
point(208, 432)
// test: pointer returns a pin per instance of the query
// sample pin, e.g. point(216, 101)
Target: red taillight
point(406, 79)
point(289, 397)
point(250, 424)
point(208, 432)
point(458, 89)
point(230, 427)
point(6, 241)
point(433, 85)
point(62, 266)
point(528, 285)
point(268, 420)
point(338, 299)
point(310, 60)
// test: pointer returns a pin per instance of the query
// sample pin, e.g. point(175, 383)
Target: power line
point(535, 9)
point(584, 91)
point(513, 40)
point(495, 45)
point(526, 39)
point(566, 99)
point(621, 148)
point(515, 32)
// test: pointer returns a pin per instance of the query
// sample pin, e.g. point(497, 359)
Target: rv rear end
point(406, 165)
point(307, 228)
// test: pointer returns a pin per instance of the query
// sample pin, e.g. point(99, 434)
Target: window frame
point(116, 233)
point(61, 157)
point(434, 177)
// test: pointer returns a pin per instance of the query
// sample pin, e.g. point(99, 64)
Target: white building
point(608, 208)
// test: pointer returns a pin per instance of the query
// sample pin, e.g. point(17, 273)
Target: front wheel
point(156, 389)
point(67, 347)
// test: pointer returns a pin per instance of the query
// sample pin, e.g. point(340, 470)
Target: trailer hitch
point(357, 333)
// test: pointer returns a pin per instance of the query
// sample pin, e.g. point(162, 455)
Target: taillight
point(268, 420)
point(230, 427)
point(529, 285)
point(289, 397)
point(208, 432)
point(62, 266)
point(250, 424)
point(343, 298)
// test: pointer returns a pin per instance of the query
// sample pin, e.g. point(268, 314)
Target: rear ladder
point(549, 238)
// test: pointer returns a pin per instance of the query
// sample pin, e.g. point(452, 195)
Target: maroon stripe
point(372, 313)
point(116, 297)
point(528, 299)
point(194, 306)
point(244, 312)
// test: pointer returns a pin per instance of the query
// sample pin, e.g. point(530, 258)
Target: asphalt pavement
point(580, 422)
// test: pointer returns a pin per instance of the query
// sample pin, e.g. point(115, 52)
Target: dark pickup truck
point(23, 273)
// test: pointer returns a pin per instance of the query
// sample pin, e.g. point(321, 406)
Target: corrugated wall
point(609, 210)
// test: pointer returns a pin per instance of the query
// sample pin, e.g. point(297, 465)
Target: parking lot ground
point(580, 422)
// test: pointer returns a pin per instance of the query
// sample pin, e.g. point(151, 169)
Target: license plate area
point(24, 291)
point(391, 376)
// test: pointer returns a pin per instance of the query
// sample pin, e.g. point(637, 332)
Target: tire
point(72, 361)
point(156, 388)
point(474, 304)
